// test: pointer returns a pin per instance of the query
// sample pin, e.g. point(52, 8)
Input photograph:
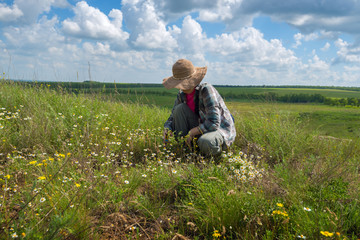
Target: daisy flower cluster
point(14, 112)
point(9, 114)
point(242, 168)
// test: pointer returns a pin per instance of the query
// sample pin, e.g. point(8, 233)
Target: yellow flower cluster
point(216, 234)
point(326, 233)
point(279, 212)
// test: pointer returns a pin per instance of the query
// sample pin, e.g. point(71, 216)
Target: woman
point(199, 110)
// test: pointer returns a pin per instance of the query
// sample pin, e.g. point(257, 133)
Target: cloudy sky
point(243, 42)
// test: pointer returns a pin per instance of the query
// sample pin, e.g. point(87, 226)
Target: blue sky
point(243, 42)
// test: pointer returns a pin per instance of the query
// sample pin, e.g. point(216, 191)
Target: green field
point(89, 166)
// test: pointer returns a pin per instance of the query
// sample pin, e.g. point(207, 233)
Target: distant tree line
point(95, 84)
point(293, 86)
point(295, 98)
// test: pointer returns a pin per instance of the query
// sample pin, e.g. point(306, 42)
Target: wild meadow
point(75, 166)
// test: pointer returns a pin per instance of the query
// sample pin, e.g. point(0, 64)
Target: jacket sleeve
point(168, 123)
point(212, 109)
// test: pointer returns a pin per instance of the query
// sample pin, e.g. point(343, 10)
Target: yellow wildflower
point(283, 213)
point(216, 234)
point(42, 178)
point(33, 162)
point(7, 176)
point(280, 205)
point(326, 233)
point(77, 184)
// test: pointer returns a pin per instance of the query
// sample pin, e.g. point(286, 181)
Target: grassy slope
point(78, 166)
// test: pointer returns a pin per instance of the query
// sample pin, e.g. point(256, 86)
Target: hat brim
point(187, 83)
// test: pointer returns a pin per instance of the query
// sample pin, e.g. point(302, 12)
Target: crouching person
point(199, 110)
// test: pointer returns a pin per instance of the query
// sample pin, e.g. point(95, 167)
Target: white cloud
point(191, 38)
point(55, 50)
point(90, 22)
point(185, 6)
point(318, 65)
point(329, 35)
point(230, 12)
point(352, 68)
point(235, 73)
point(249, 47)
point(36, 50)
point(347, 53)
point(148, 31)
point(98, 49)
point(35, 37)
point(297, 38)
point(223, 11)
point(350, 77)
point(314, 22)
point(32, 9)
point(326, 47)
point(171, 10)
point(308, 16)
point(301, 37)
point(9, 14)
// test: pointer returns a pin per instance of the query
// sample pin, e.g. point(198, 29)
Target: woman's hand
point(166, 134)
point(191, 134)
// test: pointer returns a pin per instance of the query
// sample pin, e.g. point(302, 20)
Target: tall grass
point(80, 167)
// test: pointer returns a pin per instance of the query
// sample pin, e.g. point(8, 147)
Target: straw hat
point(185, 75)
